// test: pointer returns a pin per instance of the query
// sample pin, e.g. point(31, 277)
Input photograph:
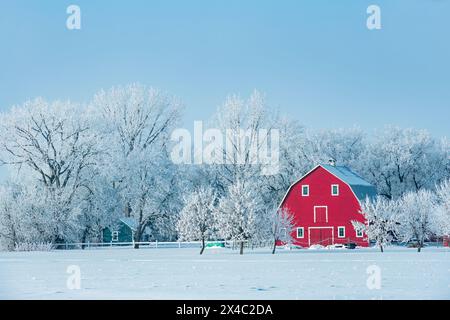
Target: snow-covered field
point(223, 274)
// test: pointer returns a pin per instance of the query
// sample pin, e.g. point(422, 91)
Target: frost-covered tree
point(292, 162)
point(248, 139)
point(418, 218)
point(280, 226)
point(52, 147)
point(101, 209)
point(196, 221)
point(238, 214)
point(24, 217)
point(345, 146)
point(9, 218)
point(150, 191)
point(443, 207)
point(135, 123)
point(402, 160)
point(381, 225)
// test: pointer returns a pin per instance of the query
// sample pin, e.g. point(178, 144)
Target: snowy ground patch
point(223, 274)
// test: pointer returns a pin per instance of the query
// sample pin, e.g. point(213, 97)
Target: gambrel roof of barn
point(360, 187)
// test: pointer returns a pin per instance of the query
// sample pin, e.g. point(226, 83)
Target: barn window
point(300, 233)
point(334, 189)
point(115, 236)
point(341, 232)
point(359, 234)
point(305, 190)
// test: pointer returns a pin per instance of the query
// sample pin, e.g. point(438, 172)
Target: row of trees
point(75, 169)
point(415, 217)
point(238, 217)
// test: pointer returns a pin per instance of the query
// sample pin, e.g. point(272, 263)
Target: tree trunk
point(137, 239)
point(203, 246)
point(419, 246)
point(381, 248)
point(241, 251)
point(83, 239)
point(274, 246)
point(13, 241)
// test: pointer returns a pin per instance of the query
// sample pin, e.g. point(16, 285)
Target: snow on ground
point(124, 273)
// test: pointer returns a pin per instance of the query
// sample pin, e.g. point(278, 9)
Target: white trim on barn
point(303, 232)
point(307, 189)
point(309, 234)
point(326, 216)
point(343, 228)
point(337, 189)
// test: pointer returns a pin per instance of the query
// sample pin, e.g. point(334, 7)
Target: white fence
point(157, 244)
point(160, 244)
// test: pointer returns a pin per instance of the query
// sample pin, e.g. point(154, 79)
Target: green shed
point(123, 231)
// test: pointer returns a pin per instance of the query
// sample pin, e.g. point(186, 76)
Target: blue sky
point(315, 60)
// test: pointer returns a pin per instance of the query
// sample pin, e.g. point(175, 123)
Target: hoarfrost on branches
point(443, 207)
point(196, 221)
point(381, 225)
point(418, 218)
point(238, 214)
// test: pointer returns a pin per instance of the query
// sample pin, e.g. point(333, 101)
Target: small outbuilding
point(123, 231)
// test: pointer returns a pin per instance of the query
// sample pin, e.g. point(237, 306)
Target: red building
point(324, 203)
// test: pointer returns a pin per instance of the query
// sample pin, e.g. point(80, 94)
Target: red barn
point(324, 202)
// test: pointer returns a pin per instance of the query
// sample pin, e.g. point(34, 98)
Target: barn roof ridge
point(346, 174)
